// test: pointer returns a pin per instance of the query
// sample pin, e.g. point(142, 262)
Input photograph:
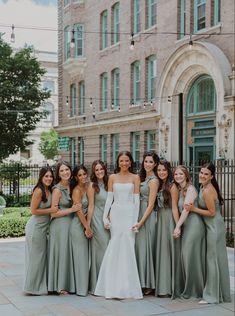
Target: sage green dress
point(100, 239)
point(217, 287)
point(145, 240)
point(36, 231)
point(168, 271)
point(192, 253)
point(60, 266)
point(79, 252)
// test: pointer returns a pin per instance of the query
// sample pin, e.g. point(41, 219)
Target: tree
point(20, 97)
point(49, 144)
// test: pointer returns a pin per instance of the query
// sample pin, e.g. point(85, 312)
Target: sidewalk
point(14, 303)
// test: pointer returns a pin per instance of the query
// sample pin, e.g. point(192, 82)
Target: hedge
point(13, 221)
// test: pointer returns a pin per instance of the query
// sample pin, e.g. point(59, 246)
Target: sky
point(28, 17)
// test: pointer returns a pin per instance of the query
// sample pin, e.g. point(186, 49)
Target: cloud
point(26, 14)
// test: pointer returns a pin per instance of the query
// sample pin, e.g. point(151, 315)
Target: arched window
point(202, 96)
point(49, 108)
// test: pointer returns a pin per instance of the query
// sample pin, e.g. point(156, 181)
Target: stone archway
point(181, 69)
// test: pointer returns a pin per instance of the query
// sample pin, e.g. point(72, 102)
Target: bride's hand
point(107, 224)
point(135, 228)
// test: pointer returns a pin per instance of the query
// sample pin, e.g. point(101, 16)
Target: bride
point(118, 276)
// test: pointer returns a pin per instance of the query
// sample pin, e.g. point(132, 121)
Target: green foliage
point(22, 211)
point(15, 201)
point(49, 144)
point(12, 227)
point(229, 239)
point(13, 221)
point(20, 97)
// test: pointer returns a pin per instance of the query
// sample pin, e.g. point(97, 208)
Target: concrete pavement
point(13, 302)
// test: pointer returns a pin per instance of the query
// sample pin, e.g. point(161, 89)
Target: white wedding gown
point(118, 276)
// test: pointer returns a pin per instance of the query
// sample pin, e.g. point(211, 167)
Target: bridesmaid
point(80, 230)
point(193, 237)
point(217, 286)
point(100, 239)
point(146, 225)
point(168, 273)
point(36, 234)
point(60, 279)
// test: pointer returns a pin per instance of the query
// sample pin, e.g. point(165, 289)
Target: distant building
point(48, 60)
point(112, 97)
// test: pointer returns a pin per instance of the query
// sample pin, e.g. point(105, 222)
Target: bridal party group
point(126, 235)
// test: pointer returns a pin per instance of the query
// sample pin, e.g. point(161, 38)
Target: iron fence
point(17, 182)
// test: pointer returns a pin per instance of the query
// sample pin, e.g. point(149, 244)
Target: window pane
point(104, 30)
point(152, 12)
point(79, 40)
point(136, 16)
point(115, 88)
point(66, 43)
point(151, 78)
point(136, 82)
point(104, 92)
point(115, 26)
point(202, 96)
point(81, 97)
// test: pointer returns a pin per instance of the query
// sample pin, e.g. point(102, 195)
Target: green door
point(203, 154)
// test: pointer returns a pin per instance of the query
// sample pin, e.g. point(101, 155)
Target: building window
point(135, 146)
point(73, 99)
point(81, 144)
point(202, 96)
point(115, 23)
point(104, 91)
point(81, 97)
point(49, 108)
point(73, 151)
point(151, 78)
point(135, 79)
point(216, 11)
point(136, 16)
point(115, 147)
point(49, 85)
point(103, 147)
point(66, 2)
point(150, 141)
point(67, 43)
point(115, 88)
point(79, 40)
point(104, 29)
point(151, 13)
point(199, 15)
point(182, 18)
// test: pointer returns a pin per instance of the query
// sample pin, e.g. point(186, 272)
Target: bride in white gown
point(118, 276)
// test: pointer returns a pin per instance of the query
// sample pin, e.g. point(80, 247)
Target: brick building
point(172, 90)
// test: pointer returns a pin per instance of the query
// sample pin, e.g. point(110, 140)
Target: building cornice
point(108, 122)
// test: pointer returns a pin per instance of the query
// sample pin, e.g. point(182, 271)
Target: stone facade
point(178, 65)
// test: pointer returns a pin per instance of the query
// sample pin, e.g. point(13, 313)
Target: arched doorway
point(200, 120)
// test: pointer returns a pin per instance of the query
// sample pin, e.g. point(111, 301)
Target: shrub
point(13, 221)
point(12, 227)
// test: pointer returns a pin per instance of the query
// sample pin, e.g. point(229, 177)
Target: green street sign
point(63, 143)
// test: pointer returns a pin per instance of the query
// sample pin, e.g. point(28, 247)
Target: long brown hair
point(39, 183)
point(184, 169)
point(165, 186)
point(156, 161)
point(57, 171)
point(74, 182)
point(128, 154)
point(210, 166)
point(94, 179)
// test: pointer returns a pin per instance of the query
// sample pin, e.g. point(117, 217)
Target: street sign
point(63, 143)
